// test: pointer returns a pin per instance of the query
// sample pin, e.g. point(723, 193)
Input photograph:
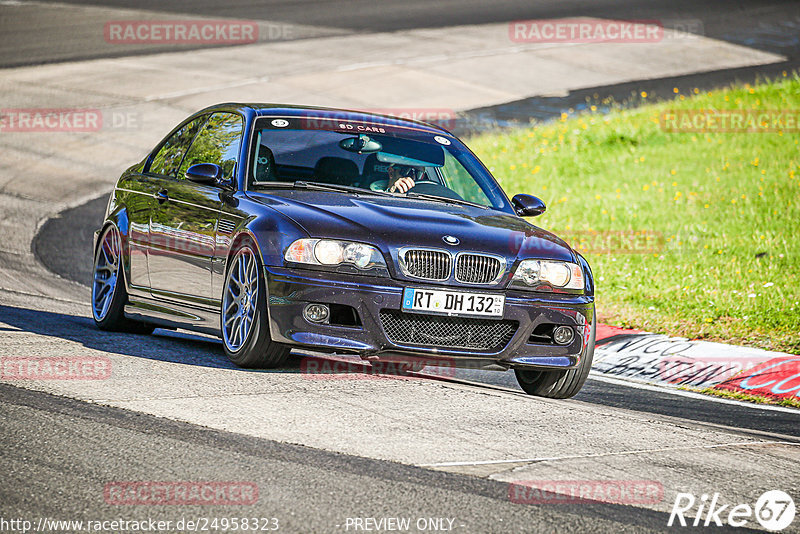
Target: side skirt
point(173, 315)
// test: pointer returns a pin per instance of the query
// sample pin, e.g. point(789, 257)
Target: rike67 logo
point(774, 511)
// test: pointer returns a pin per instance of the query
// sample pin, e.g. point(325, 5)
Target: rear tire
point(559, 384)
point(243, 318)
point(108, 287)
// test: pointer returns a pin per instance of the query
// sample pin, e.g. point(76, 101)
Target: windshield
point(378, 158)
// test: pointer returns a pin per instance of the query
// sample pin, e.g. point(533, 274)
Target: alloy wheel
point(106, 272)
point(241, 294)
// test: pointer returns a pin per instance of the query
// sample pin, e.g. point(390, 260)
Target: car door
point(183, 224)
point(140, 190)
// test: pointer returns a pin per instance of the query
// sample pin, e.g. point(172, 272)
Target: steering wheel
point(429, 187)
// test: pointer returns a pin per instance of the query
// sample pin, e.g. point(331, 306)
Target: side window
point(218, 142)
point(460, 181)
point(169, 156)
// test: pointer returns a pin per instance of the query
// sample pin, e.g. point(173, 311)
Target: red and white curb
point(675, 362)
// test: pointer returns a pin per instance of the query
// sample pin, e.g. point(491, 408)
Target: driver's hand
point(400, 185)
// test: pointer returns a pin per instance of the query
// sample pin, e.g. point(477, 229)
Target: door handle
point(162, 196)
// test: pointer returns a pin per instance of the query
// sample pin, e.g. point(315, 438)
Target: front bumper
point(290, 290)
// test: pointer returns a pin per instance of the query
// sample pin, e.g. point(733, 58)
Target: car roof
point(288, 110)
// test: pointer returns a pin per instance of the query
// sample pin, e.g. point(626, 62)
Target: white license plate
point(453, 302)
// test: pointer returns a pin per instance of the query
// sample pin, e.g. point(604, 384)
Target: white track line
point(599, 455)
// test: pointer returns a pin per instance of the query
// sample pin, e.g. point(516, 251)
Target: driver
point(403, 177)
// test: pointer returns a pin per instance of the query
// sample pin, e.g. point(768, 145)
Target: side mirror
point(204, 173)
point(528, 205)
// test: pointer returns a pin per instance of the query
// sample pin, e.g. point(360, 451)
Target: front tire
point(243, 318)
point(559, 384)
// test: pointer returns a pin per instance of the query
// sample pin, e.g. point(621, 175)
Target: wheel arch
point(118, 218)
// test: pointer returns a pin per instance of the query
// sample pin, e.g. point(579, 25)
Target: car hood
point(391, 223)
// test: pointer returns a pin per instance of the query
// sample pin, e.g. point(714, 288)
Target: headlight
point(559, 274)
point(332, 252)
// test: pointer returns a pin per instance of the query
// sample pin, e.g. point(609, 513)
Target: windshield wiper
point(322, 186)
point(446, 200)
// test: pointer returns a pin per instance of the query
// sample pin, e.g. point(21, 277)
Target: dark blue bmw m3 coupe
point(279, 227)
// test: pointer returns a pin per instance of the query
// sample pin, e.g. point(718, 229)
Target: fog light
point(563, 335)
point(317, 313)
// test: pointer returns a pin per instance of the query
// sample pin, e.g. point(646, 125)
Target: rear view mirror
point(528, 205)
point(204, 173)
point(362, 144)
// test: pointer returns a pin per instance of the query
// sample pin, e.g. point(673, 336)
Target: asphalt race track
point(443, 450)
point(61, 240)
point(71, 34)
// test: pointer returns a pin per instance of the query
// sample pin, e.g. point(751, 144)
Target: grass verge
point(690, 234)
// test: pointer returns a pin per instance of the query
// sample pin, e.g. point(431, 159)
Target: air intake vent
point(426, 264)
point(225, 227)
point(453, 332)
point(478, 269)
